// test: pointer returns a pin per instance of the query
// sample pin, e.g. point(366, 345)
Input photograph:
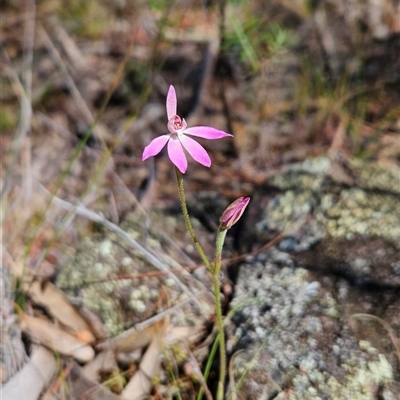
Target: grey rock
point(313, 330)
point(353, 230)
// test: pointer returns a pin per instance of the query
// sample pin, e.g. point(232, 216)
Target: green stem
point(218, 312)
point(214, 269)
point(218, 249)
point(187, 221)
point(221, 334)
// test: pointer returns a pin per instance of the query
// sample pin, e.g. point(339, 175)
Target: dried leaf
point(59, 307)
point(54, 338)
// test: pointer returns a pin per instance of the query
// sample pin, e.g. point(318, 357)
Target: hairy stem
point(214, 270)
point(187, 221)
point(218, 312)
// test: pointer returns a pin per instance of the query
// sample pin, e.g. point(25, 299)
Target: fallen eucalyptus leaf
point(59, 307)
point(55, 339)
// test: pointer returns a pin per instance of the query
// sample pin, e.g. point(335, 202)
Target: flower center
point(176, 124)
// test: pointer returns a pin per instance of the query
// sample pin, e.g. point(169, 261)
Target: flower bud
point(233, 212)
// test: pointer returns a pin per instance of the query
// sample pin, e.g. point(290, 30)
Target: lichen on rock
point(309, 188)
point(294, 338)
point(342, 233)
point(111, 279)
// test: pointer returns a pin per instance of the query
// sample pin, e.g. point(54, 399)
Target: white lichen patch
point(362, 380)
point(138, 305)
point(357, 212)
point(381, 369)
point(170, 282)
point(126, 261)
point(105, 248)
point(145, 292)
point(136, 294)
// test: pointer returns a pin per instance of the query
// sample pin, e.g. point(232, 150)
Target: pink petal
point(177, 155)
point(155, 146)
point(197, 151)
point(171, 102)
point(206, 132)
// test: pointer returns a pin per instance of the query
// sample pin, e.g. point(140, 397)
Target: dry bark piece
point(30, 381)
point(59, 307)
point(56, 339)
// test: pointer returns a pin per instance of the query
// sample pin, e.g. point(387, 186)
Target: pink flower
point(178, 138)
point(233, 212)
